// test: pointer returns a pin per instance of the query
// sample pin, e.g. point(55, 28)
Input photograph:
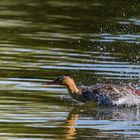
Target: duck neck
point(72, 88)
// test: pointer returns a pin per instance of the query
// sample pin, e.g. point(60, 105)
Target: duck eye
point(61, 79)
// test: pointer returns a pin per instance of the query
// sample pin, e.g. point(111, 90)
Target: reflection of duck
point(100, 113)
point(102, 118)
point(103, 94)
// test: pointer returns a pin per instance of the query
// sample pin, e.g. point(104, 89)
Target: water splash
point(130, 99)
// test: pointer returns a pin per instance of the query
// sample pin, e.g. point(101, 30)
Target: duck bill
point(51, 83)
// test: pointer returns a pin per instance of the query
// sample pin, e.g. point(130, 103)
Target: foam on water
point(130, 99)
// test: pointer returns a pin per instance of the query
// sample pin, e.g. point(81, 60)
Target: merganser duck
point(102, 94)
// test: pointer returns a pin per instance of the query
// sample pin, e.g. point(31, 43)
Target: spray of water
point(130, 99)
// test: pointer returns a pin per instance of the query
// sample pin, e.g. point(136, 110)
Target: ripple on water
point(14, 23)
point(40, 40)
point(105, 63)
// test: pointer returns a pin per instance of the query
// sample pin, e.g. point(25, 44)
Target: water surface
point(92, 41)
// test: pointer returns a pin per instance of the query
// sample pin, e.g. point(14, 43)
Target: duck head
point(66, 81)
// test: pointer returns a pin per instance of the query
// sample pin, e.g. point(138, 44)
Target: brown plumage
point(103, 94)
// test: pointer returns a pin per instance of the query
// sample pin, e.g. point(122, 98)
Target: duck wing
point(104, 94)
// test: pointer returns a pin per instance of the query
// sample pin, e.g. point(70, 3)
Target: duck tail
point(133, 89)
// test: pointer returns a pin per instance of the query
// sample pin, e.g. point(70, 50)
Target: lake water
point(93, 41)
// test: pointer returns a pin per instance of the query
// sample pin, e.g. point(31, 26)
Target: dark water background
point(94, 41)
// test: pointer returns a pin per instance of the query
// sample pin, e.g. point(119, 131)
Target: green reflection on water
point(92, 41)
